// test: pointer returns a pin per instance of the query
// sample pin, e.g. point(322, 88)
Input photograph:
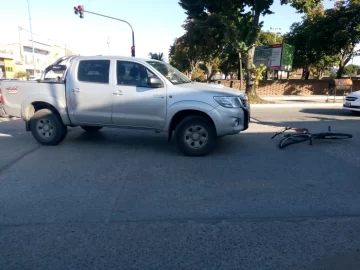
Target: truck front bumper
point(230, 121)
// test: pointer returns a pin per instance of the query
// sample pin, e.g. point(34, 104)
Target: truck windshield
point(171, 73)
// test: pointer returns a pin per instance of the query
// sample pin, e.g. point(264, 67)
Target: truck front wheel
point(196, 136)
point(47, 128)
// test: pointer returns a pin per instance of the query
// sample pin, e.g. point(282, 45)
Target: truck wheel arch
point(34, 107)
point(180, 115)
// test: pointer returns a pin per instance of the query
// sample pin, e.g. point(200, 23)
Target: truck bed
point(15, 93)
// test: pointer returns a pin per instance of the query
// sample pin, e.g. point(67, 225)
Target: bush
point(22, 74)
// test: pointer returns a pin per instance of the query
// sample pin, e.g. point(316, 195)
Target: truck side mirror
point(155, 82)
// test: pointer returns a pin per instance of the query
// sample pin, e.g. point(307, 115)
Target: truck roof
point(116, 57)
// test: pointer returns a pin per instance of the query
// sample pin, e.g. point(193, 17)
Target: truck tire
point(91, 128)
point(47, 127)
point(196, 136)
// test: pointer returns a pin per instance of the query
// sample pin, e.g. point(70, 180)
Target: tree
point(339, 32)
point(229, 62)
point(242, 26)
point(205, 35)
point(157, 56)
point(351, 69)
point(268, 38)
point(326, 37)
point(309, 53)
point(184, 55)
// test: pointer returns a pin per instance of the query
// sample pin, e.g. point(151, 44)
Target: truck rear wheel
point(91, 128)
point(196, 136)
point(47, 128)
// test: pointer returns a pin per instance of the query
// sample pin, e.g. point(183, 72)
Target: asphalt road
point(123, 199)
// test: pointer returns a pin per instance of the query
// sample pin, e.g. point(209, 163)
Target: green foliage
point(258, 73)
point(157, 56)
point(229, 61)
point(308, 40)
point(339, 32)
point(351, 69)
point(268, 38)
point(240, 21)
point(198, 75)
point(327, 37)
point(184, 55)
point(22, 74)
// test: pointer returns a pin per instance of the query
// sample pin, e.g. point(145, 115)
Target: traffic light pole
point(132, 30)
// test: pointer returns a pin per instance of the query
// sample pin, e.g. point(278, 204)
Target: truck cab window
point(95, 71)
point(132, 74)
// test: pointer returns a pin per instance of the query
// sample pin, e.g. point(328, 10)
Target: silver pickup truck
point(109, 91)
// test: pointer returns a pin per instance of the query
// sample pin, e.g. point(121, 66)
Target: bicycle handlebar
point(280, 132)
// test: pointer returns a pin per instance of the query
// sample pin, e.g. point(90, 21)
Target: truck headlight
point(228, 102)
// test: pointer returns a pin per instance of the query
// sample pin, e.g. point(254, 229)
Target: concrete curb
point(318, 97)
point(298, 105)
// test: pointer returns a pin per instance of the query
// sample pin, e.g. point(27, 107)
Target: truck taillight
point(1, 98)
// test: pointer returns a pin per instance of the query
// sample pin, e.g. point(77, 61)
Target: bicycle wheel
point(296, 138)
point(332, 136)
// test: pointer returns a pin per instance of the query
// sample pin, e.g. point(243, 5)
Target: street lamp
point(32, 40)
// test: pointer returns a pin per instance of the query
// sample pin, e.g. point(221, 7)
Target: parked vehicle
point(352, 102)
point(104, 91)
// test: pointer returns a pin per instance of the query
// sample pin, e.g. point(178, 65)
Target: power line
point(55, 41)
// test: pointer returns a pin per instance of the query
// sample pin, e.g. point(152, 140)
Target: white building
point(18, 55)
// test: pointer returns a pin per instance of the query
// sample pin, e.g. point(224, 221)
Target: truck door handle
point(118, 93)
point(76, 90)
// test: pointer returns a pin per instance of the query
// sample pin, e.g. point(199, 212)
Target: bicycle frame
point(297, 130)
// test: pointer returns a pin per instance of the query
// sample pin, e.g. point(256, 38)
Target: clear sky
point(156, 23)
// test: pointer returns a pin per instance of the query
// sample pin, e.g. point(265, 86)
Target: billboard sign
point(275, 57)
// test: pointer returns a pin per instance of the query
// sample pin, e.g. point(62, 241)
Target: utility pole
point(20, 46)
point(80, 10)
point(275, 29)
point(32, 39)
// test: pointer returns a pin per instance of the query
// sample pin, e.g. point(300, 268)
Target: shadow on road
point(329, 112)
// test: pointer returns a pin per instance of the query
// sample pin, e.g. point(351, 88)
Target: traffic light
point(79, 10)
point(133, 51)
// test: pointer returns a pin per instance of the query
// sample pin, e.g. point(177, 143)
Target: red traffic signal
point(133, 51)
point(79, 10)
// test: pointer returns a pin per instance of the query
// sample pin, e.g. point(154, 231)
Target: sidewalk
point(302, 101)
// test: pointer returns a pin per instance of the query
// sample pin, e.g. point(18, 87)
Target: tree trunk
point(340, 72)
point(209, 71)
point(193, 67)
point(250, 90)
point(240, 72)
